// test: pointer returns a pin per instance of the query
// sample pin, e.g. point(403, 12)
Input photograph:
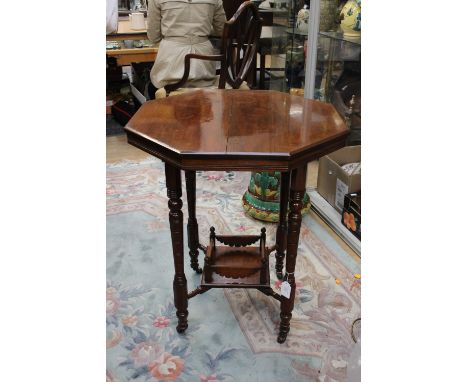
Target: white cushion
point(161, 93)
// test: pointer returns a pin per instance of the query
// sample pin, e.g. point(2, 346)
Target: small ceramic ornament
point(302, 21)
point(137, 5)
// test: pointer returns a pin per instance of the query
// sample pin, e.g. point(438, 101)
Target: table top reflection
point(236, 125)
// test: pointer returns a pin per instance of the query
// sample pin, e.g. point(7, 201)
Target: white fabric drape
point(112, 16)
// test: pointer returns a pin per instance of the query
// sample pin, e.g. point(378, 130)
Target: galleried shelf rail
point(236, 130)
point(236, 265)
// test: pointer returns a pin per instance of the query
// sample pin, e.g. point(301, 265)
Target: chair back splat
point(231, 7)
point(239, 46)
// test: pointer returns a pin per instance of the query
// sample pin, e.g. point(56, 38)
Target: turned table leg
point(192, 225)
point(282, 229)
point(298, 180)
point(174, 193)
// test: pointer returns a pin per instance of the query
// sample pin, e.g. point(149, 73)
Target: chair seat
point(161, 93)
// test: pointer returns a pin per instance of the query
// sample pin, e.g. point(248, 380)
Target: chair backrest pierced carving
point(240, 45)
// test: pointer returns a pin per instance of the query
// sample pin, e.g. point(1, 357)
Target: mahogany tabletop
point(217, 129)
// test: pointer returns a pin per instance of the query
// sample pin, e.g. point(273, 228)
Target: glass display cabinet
point(282, 46)
point(339, 78)
point(339, 63)
point(287, 38)
point(329, 32)
point(127, 6)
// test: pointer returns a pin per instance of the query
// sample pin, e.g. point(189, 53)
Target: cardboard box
point(334, 182)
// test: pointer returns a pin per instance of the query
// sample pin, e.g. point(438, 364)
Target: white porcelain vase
point(302, 21)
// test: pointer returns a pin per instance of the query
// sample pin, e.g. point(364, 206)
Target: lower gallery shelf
point(236, 268)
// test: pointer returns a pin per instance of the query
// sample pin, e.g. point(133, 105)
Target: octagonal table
point(236, 130)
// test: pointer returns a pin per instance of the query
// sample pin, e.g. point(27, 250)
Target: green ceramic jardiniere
point(262, 198)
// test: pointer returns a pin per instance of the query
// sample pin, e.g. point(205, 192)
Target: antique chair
point(231, 7)
point(238, 53)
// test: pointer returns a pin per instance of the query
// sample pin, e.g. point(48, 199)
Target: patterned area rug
point(232, 332)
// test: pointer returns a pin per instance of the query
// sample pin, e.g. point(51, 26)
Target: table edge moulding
point(224, 159)
point(188, 131)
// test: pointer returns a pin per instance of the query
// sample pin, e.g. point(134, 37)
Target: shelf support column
point(174, 193)
point(298, 181)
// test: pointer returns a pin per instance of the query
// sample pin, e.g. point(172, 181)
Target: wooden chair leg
point(262, 71)
point(174, 193)
point(298, 180)
point(192, 225)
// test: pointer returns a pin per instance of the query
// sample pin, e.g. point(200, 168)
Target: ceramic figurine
point(351, 18)
point(138, 5)
point(265, 5)
point(302, 21)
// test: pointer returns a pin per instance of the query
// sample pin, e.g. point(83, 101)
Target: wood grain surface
point(256, 129)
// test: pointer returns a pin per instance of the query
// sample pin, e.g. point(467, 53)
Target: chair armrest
point(171, 87)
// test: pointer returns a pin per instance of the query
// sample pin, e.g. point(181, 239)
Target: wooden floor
point(117, 149)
